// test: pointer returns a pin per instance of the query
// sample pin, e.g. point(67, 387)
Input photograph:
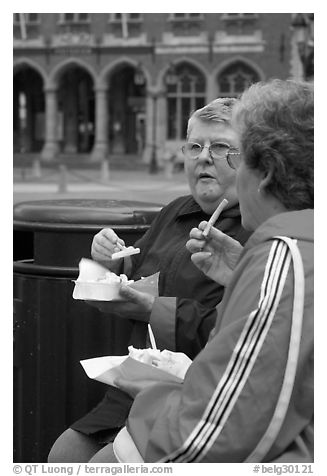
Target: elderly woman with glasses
point(248, 395)
point(185, 311)
point(208, 151)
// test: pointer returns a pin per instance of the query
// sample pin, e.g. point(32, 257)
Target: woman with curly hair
point(248, 395)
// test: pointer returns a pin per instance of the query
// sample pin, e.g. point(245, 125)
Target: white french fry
point(125, 252)
point(214, 216)
point(152, 339)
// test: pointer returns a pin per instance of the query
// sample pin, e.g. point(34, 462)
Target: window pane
point(236, 78)
point(134, 16)
point(199, 102)
point(199, 84)
point(68, 17)
point(186, 110)
point(180, 15)
point(171, 118)
point(186, 84)
point(240, 15)
point(239, 83)
point(33, 17)
point(171, 88)
point(83, 16)
point(224, 84)
point(195, 15)
point(190, 82)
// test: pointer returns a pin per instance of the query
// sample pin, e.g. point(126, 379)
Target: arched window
point(185, 94)
point(235, 78)
point(74, 17)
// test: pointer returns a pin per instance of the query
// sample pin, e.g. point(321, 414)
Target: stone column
point(148, 130)
point(297, 72)
point(100, 148)
point(154, 94)
point(50, 148)
point(212, 88)
point(161, 127)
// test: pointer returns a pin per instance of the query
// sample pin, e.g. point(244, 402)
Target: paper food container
point(107, 369)
point(97, 291)
point(147, 285)
point(89, 288)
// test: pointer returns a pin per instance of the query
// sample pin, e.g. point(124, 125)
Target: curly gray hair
point(275, 121)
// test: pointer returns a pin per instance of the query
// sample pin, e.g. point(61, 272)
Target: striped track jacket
point(231, 396)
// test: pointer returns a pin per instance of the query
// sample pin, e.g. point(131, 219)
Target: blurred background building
point(119, 87)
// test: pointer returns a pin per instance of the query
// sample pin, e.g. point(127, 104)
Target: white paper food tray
point(97, 291)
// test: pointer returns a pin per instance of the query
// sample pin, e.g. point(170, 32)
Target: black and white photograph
point(163, 241)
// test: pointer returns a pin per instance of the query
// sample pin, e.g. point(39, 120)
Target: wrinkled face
point(252, 202)
point(211, 180)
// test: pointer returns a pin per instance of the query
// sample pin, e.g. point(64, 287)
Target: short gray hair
point(219, 110)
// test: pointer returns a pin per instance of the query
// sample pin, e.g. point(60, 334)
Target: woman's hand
point(104, 244)
point(175, 363)
point(216, 256)
point(136, 305)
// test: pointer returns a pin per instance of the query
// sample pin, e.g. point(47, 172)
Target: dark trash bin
point(52, 331)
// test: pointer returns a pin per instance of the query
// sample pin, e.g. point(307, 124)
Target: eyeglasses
point(217, 151)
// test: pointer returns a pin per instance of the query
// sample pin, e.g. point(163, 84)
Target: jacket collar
point(191, 206)
point(295, 224)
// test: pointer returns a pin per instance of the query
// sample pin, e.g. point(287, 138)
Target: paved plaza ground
point(45, 184)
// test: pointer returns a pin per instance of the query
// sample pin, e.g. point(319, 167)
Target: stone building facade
point(106, 85)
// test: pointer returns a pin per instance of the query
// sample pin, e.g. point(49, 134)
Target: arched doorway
point(76, 111)
point(28, 110)
point(126, 99)
point(235, 78)
point(186, 92)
